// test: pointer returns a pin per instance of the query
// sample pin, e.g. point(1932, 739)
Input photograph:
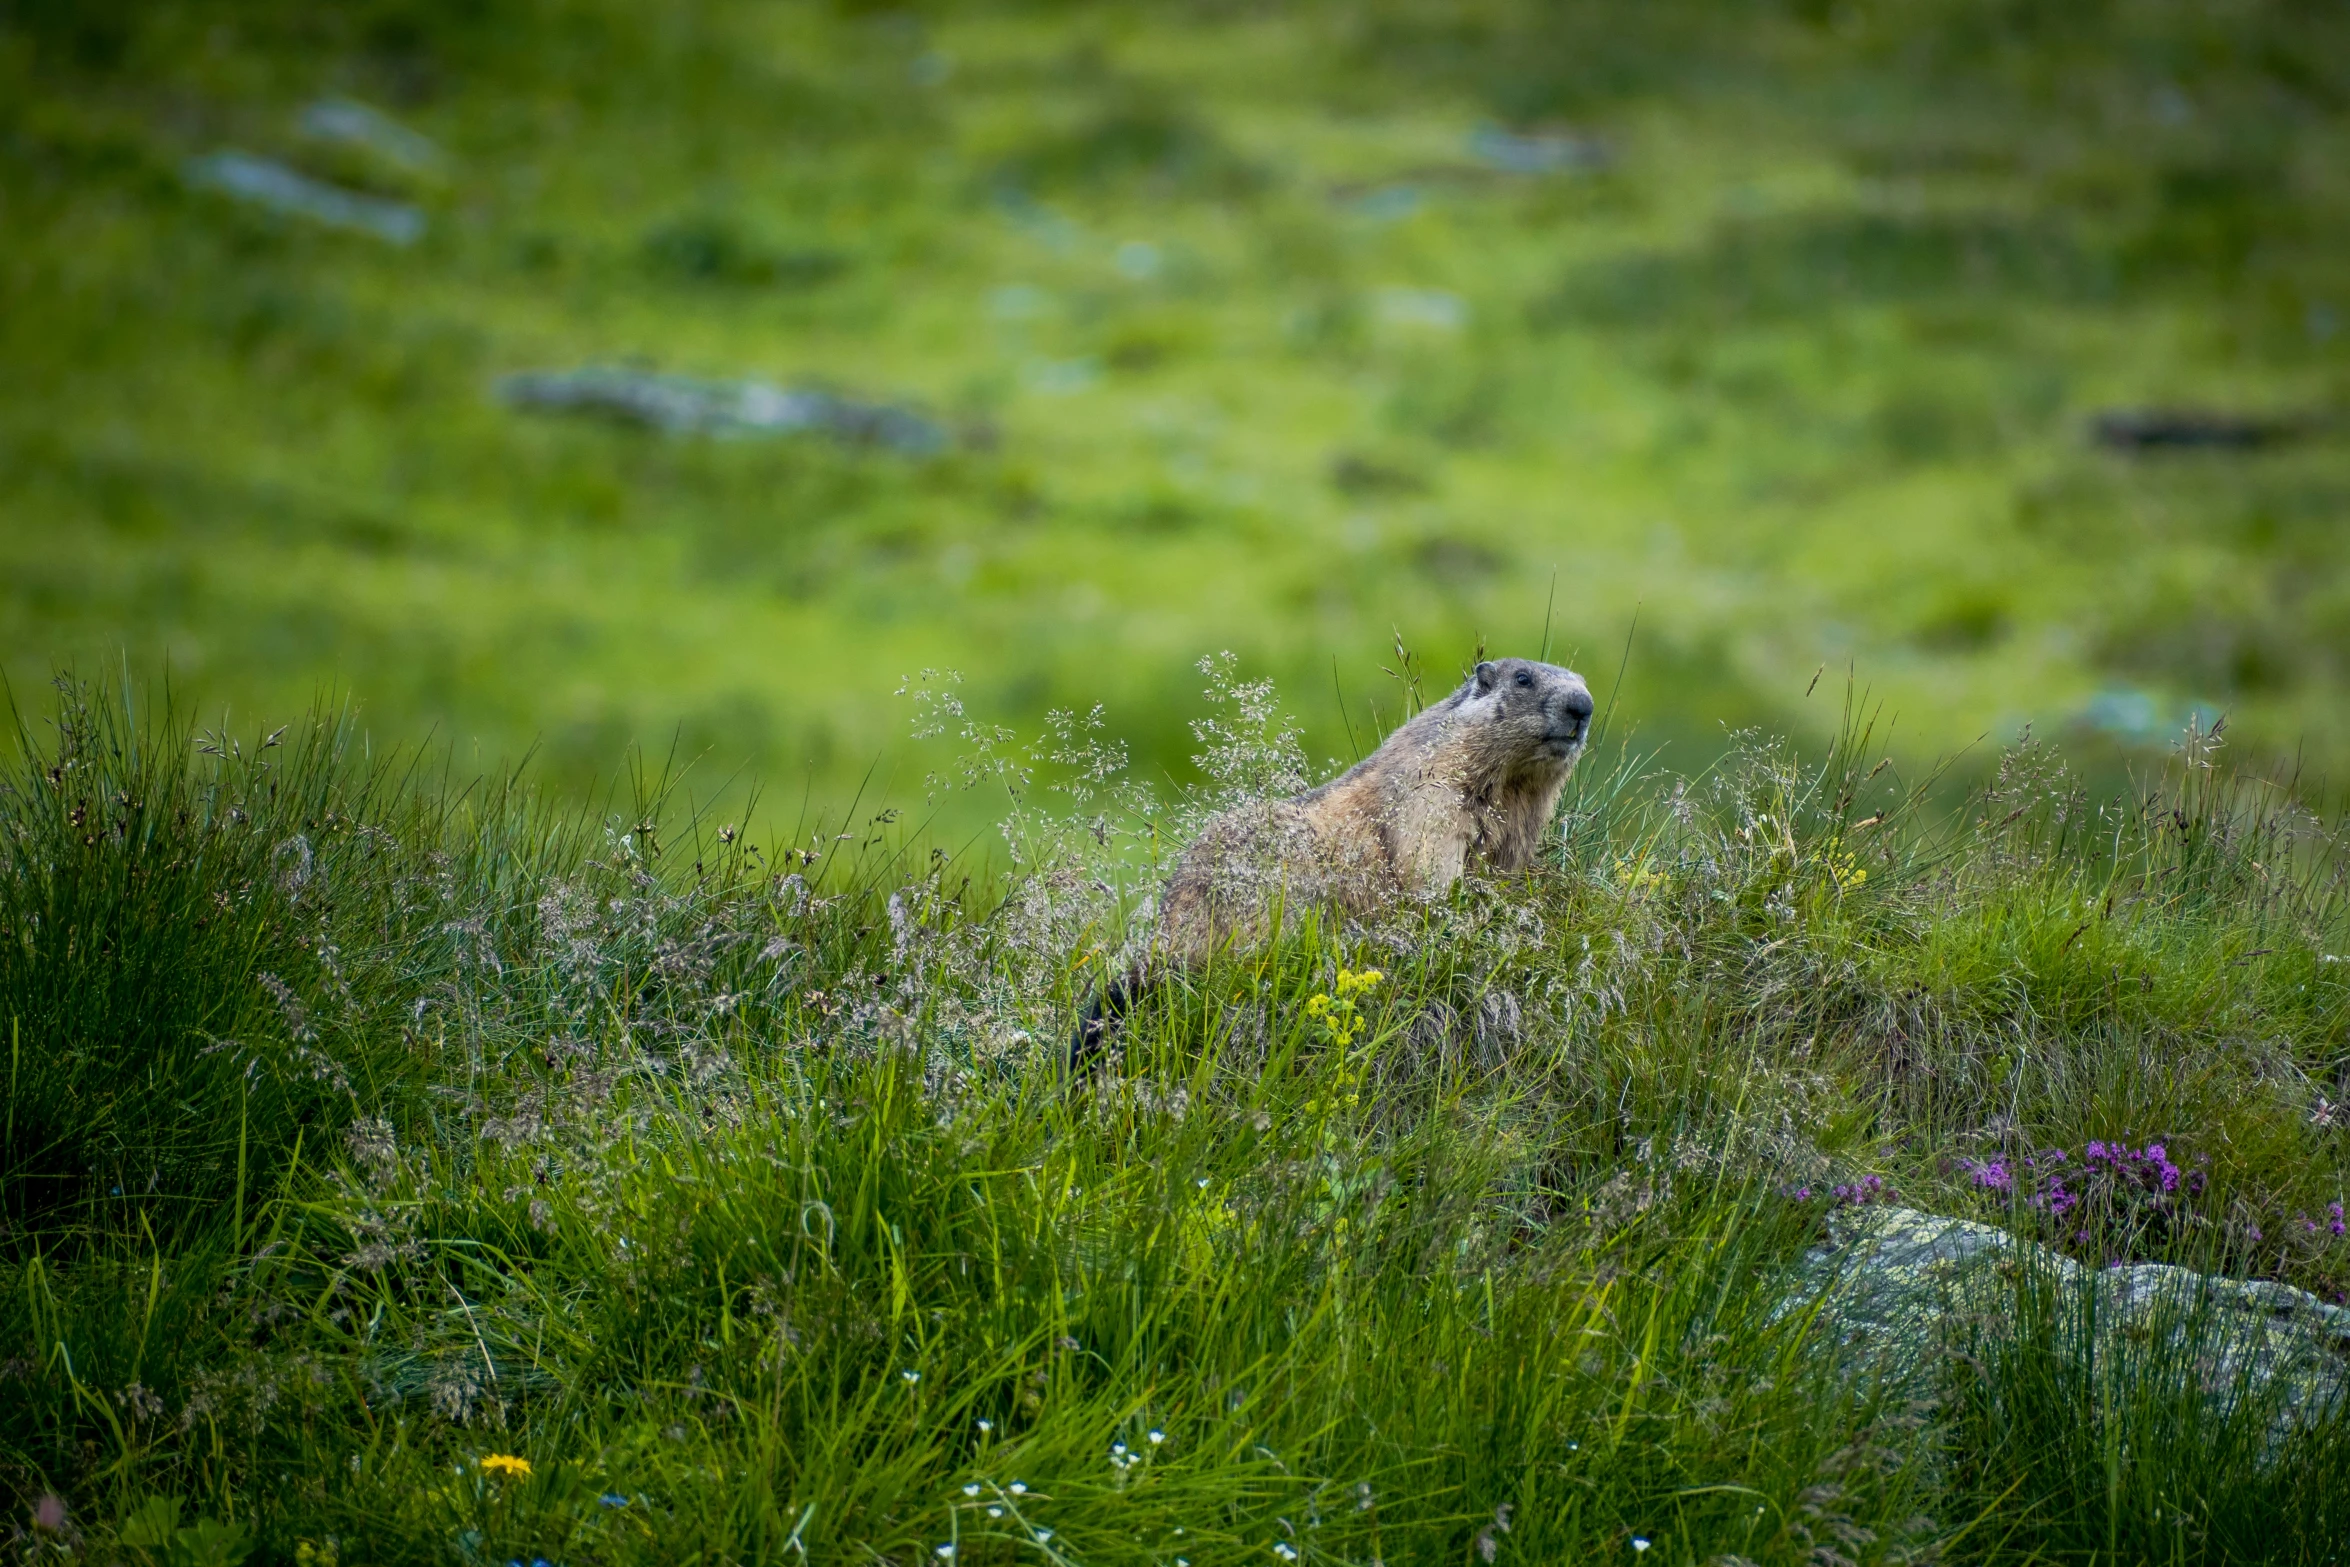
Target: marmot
point(1479, 772)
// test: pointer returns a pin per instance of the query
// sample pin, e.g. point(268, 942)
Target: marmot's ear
point(1486, 676)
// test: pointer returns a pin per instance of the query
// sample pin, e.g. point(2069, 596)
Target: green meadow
point(1779, 330)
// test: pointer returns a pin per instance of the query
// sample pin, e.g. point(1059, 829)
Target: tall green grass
point(199, 934)
point(744, 1193)
point(2079, 1443)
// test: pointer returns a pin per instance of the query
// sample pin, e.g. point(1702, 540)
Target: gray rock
point(684, 405)
point(263, 182)
point(1899, 1289)
point(1552, 153)
point(2142, 430)
point(354, 124)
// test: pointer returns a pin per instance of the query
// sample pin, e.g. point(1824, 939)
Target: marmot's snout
point(1566, 723)
point(1570, 715)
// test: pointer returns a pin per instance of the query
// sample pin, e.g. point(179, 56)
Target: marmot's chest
point(1411, 832)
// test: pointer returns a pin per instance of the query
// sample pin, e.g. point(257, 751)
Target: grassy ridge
point(741, 1193)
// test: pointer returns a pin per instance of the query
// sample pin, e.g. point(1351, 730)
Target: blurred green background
point(1283, 328)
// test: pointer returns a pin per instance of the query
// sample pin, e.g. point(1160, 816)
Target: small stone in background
point(685, 405)
point(1352, 473)
point(1383, 203)
point(263, 182)
point(1437, 308)
point(2125, 711)
point(2183, 429)
point(1552, 153)
point(1061, 377)
point(1040, 222)
point(354, 124)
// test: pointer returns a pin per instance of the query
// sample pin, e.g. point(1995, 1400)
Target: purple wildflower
point(1992, 1175)
point(1860, 1193)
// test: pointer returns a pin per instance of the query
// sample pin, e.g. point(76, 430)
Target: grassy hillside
point(1276, 329)
point(398, 1170)
point(413, 1156)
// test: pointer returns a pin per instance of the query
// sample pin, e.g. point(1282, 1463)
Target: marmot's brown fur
point(1478, 774)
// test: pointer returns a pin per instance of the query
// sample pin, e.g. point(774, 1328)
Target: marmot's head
point(1540, 712)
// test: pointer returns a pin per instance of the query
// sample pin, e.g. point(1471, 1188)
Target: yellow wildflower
point(507, 1464)
point(1844, 871)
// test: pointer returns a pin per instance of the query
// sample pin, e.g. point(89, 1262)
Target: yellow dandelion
point(507, 1464)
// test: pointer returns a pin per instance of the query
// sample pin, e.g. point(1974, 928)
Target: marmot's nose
point(1570, 713)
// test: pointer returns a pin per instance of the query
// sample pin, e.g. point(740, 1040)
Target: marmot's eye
point(1525, 677)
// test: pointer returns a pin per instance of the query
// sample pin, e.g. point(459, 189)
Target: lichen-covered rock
point(1900, 1289)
